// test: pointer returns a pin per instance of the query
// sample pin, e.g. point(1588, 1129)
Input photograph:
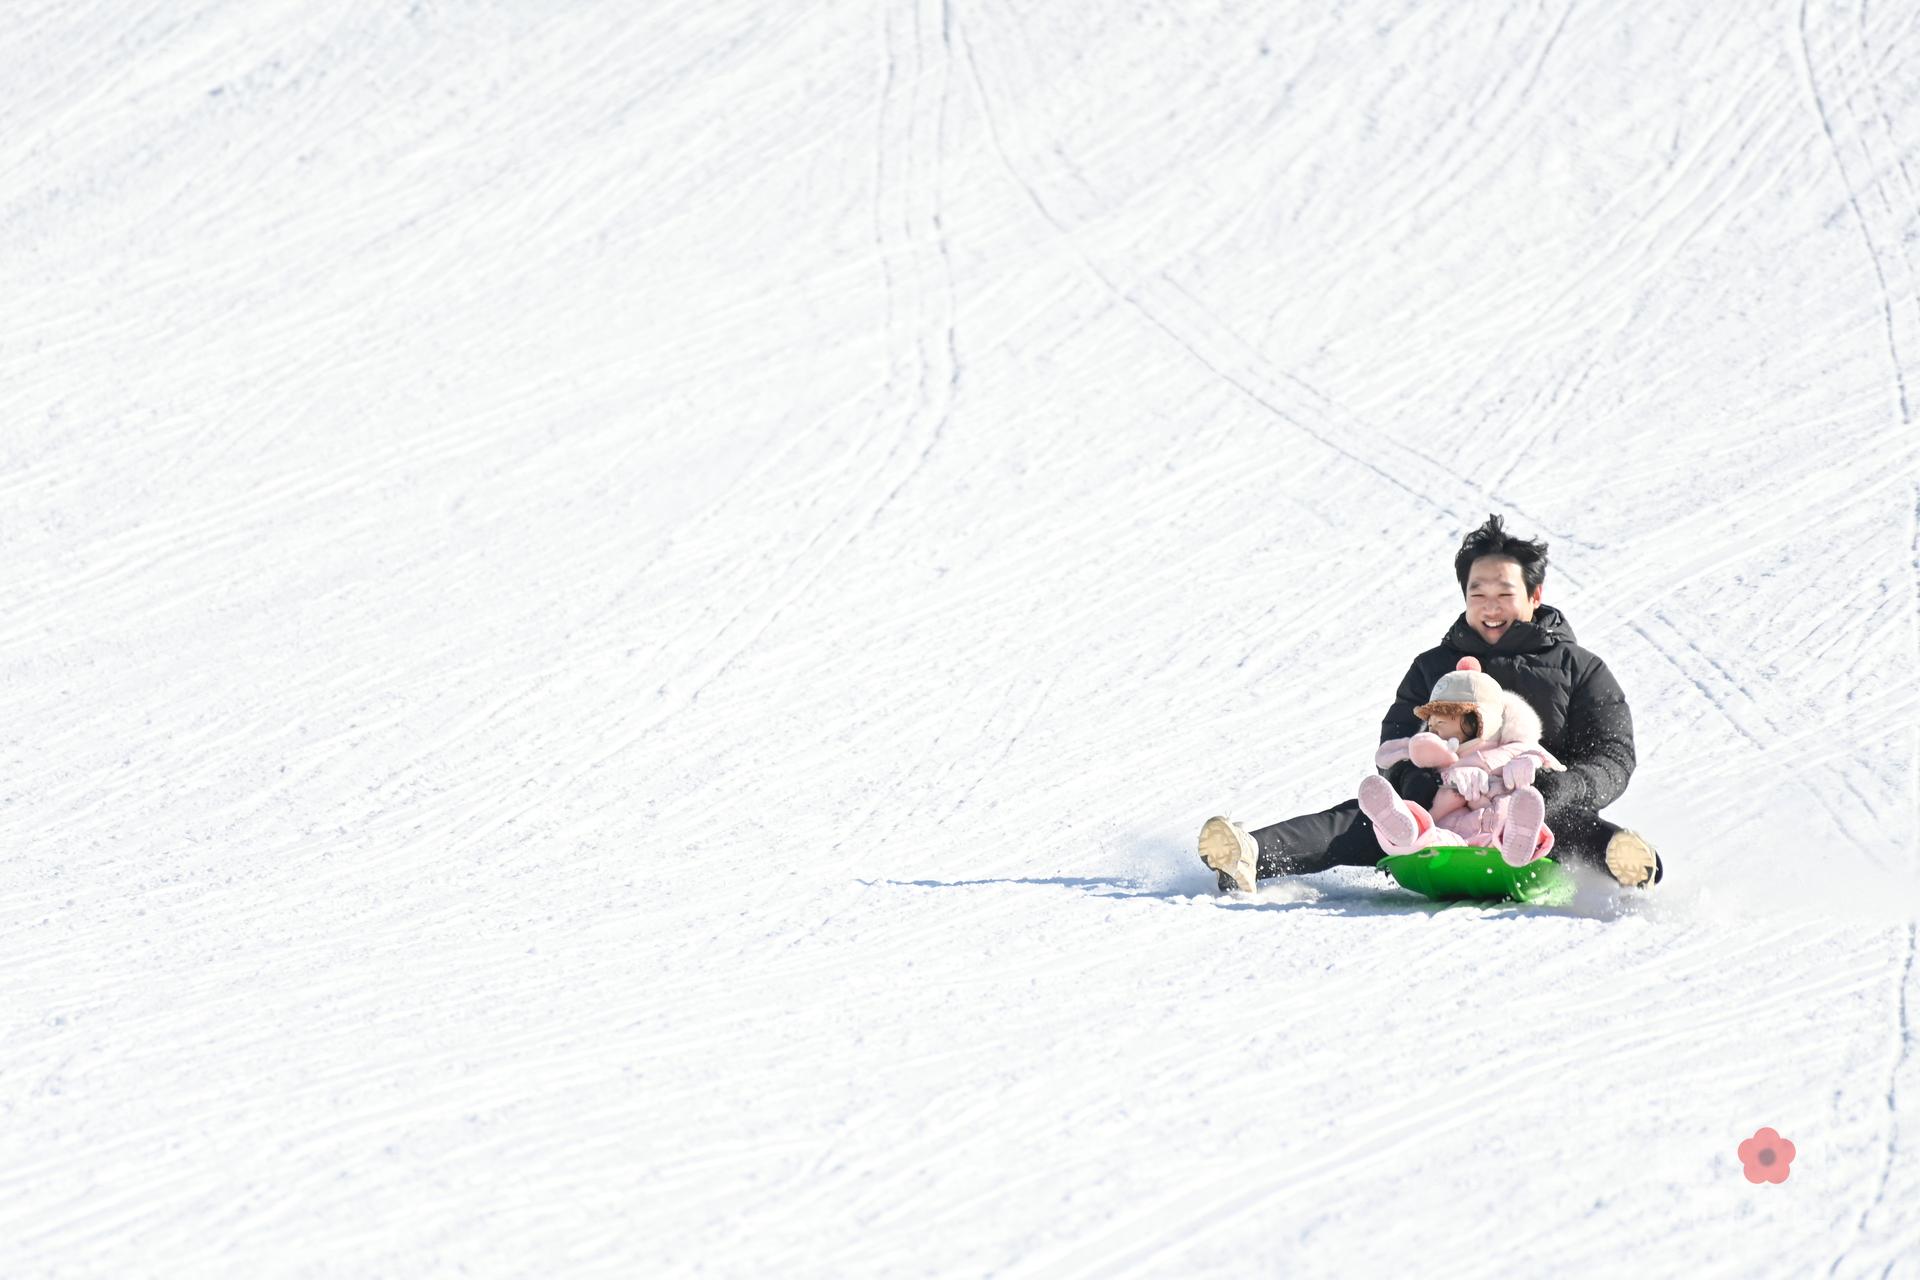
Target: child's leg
point(1393, 822)
point(1524, 828)
point(1400, 825)
point(1446, 802)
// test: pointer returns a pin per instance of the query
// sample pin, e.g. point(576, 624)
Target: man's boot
point(1632, 860)
point(1226, 847)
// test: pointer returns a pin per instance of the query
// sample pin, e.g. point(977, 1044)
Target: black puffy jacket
point(1583, 714)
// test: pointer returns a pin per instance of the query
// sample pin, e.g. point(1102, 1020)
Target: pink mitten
point(1429, 752)
point(1470, 780)
point(1520, 772)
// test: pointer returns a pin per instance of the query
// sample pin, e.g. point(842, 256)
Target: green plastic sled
point(1471, 872)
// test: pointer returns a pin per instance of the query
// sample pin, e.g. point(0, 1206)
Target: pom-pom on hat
point(1467, 688)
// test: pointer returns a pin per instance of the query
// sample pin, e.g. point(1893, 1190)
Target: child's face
point(1447, 724)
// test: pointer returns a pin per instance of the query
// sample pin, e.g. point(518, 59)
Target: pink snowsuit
point(1455, 820)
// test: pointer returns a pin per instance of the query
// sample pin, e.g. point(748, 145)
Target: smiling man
point(1529, 648)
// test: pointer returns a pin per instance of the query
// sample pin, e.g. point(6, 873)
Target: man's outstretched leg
point(1590, 839)
point(1336, 837)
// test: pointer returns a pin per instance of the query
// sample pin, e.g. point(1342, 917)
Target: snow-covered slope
point(621, 617)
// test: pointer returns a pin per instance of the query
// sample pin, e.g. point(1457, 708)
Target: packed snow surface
point(621, 618)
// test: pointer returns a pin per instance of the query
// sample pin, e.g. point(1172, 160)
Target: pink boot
point(1399, 827)
point(1524, 834)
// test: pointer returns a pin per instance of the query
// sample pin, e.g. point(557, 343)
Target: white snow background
point(620, 617)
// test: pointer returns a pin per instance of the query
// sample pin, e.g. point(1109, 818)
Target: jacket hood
point(1548, 628)
point(1519, 722)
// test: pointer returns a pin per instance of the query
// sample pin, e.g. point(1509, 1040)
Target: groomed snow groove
point(622, 618)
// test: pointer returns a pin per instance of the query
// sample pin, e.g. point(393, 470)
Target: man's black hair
point(1492, 539)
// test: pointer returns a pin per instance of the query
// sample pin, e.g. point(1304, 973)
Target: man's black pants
point(1343, 837)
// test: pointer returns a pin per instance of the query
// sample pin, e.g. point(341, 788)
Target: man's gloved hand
point(1519, 772)
point(1429, 752)
point(1470, 780)
point(1564, 791)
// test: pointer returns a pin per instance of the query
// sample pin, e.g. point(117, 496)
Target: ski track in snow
point(623, 618)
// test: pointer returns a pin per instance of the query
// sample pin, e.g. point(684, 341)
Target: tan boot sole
point(1631, 860)
point(1221, 848)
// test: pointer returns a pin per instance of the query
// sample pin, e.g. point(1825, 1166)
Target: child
point(1485, 741)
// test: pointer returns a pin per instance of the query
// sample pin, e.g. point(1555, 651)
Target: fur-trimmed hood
point(1519, 722)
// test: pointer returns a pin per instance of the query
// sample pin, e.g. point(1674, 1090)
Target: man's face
point(1497, 597)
